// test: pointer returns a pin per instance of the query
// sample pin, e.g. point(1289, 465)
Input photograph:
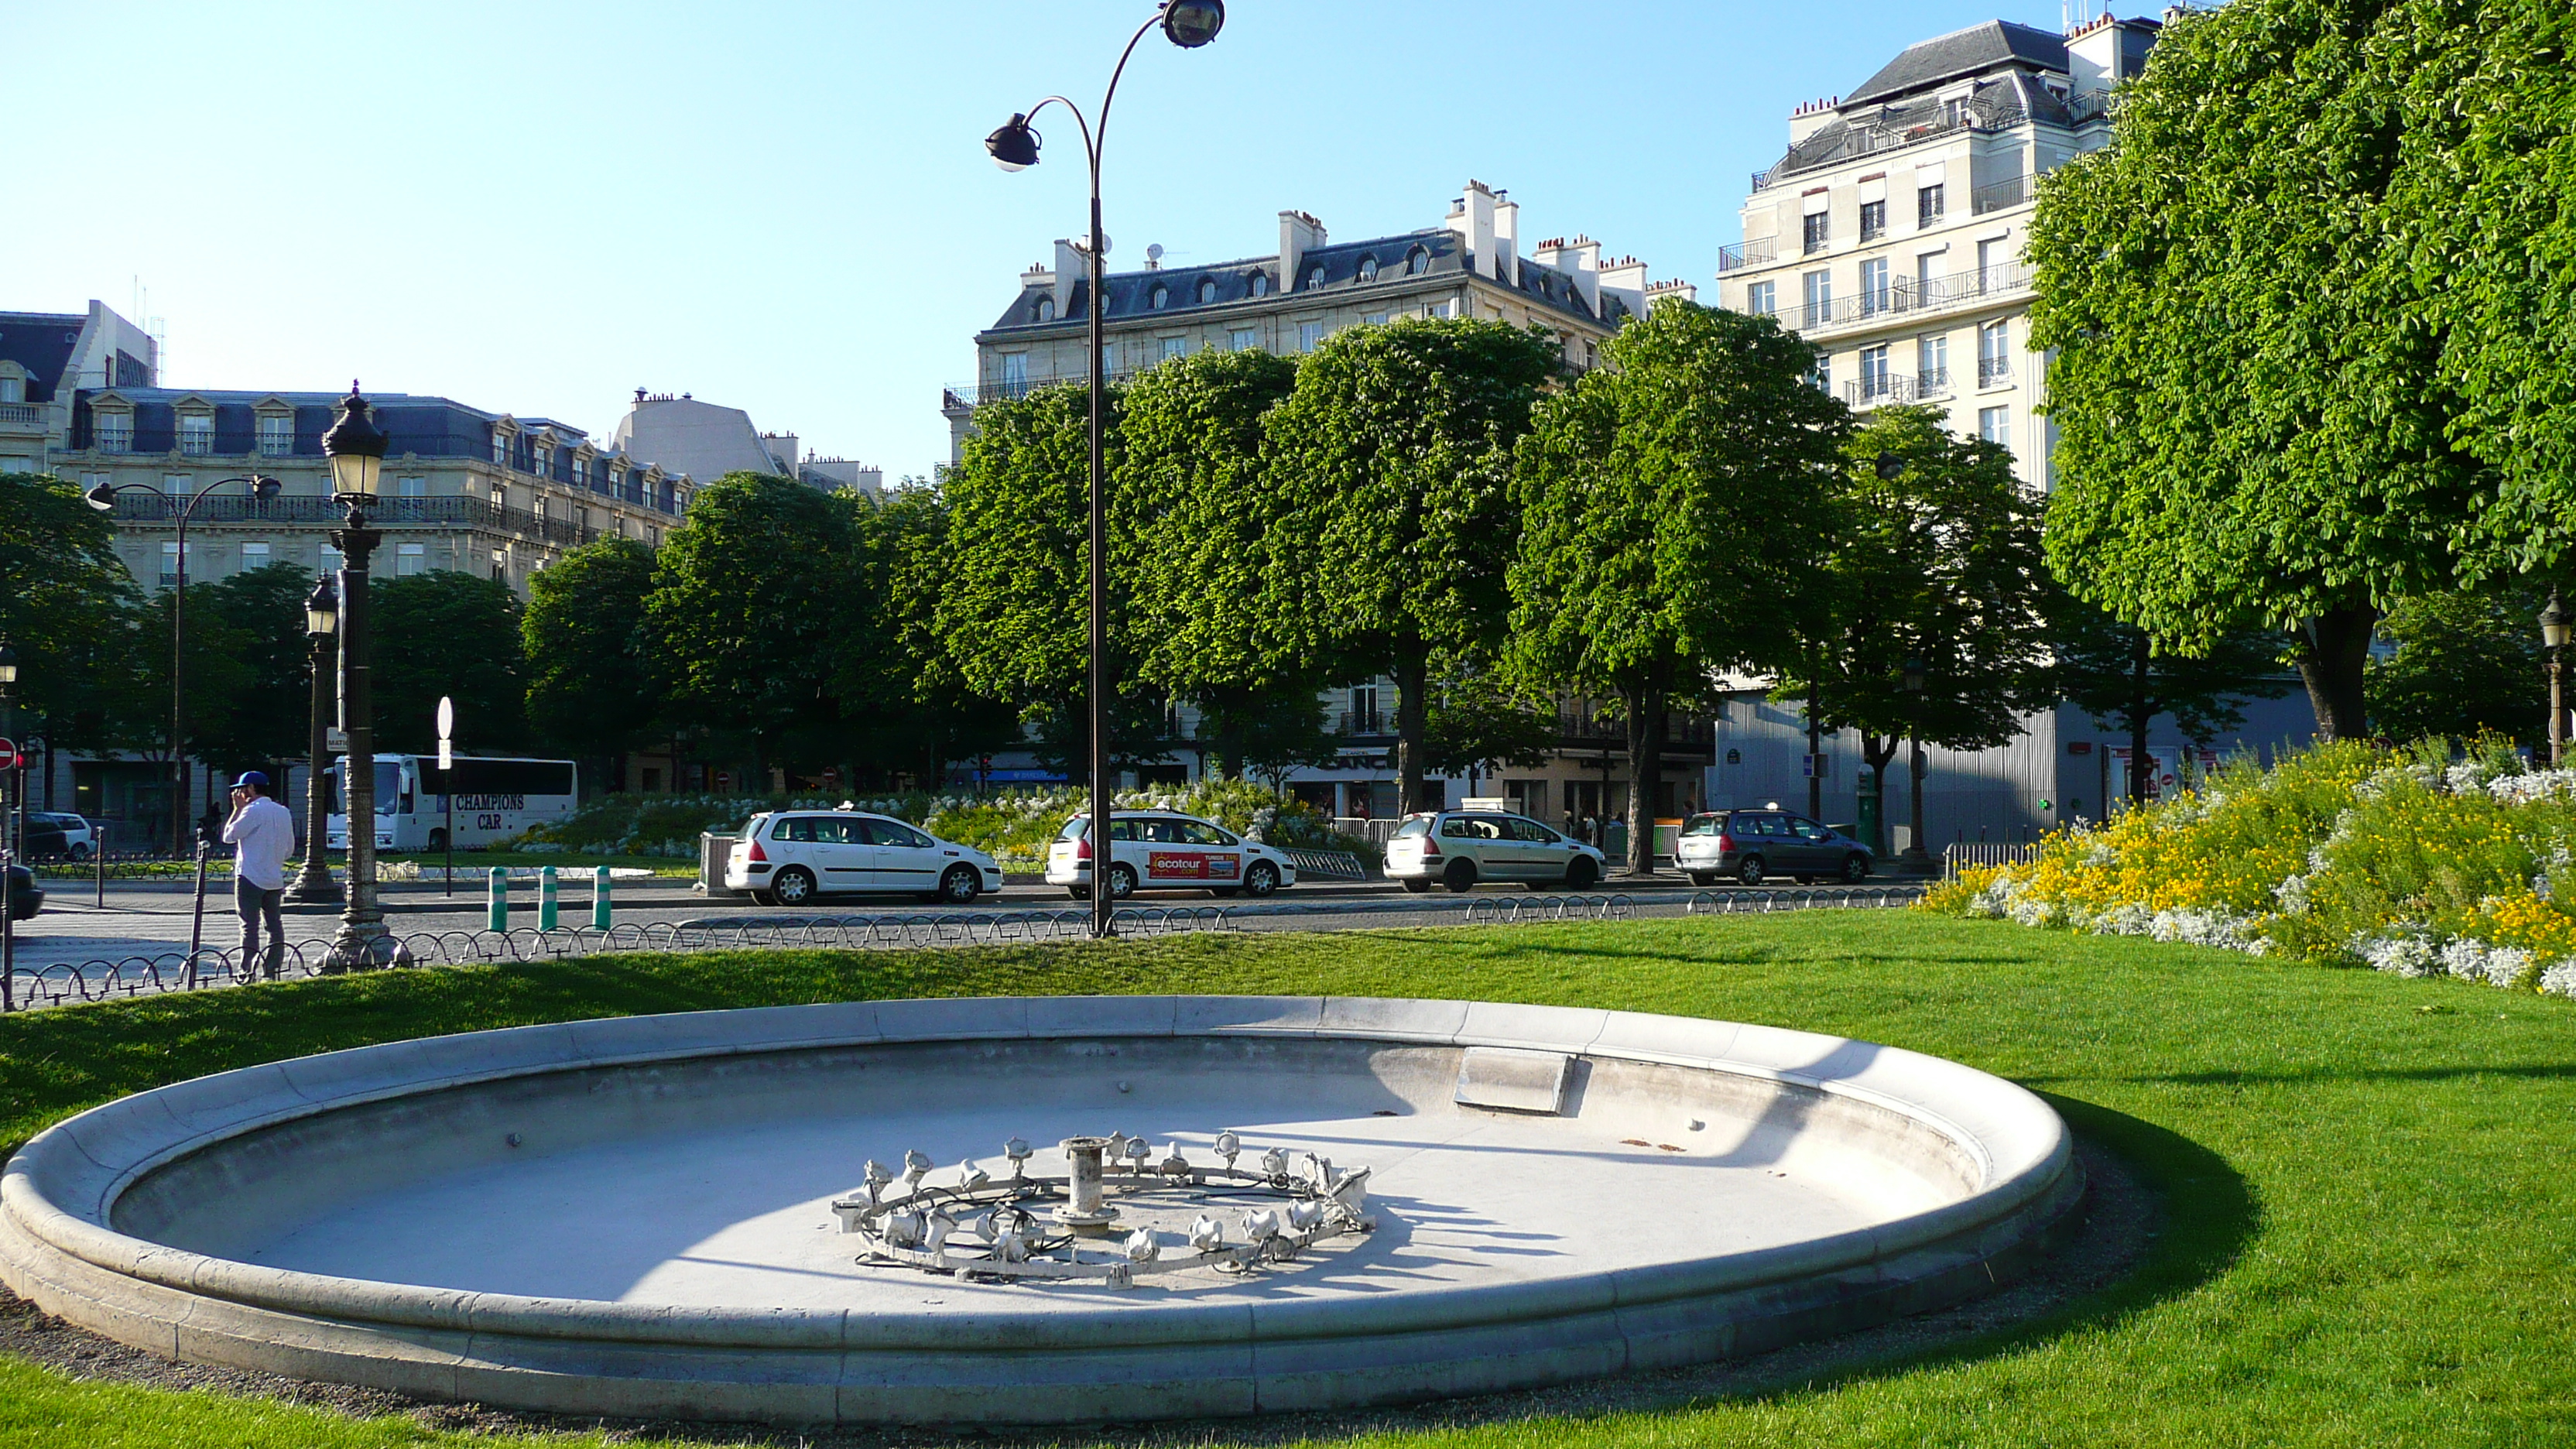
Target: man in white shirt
point(262, 834)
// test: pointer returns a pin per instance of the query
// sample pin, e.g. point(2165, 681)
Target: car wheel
point(1122, 882)
point(1460, 877)
point(1703, 877)
point(1581, 874)
point(1261, 879)
point(763, 898)
point(1749, 870)
point(960, 886)
point(1855, 868)
point(80, 852)
point(1416, 887)
point(793, 887)
point(437, 840)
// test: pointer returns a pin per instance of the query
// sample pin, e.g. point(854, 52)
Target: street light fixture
point(356, 447)
point(322, 627)
point(2555, 625)
point(1014, 146)
point(8, 666)
point(103, 498)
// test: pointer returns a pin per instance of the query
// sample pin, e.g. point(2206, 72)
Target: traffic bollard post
point(497, 916)
point(599, 898)
point(546, 899)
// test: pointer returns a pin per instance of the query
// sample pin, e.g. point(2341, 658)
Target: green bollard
point(599, 899)
point(496, 916)
point(546, 899)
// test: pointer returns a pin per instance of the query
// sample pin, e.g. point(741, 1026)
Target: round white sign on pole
point(446, 727)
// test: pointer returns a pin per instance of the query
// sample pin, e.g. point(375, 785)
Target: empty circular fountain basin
point(635, 1216)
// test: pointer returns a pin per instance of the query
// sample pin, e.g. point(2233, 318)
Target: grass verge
point(2368, 1217)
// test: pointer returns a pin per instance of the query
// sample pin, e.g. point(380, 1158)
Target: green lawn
point(2370, 1233)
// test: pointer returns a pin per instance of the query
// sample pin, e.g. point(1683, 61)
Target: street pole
point(2554, 628)
point(356, 449)
point(1188, 24)
point(321, 622)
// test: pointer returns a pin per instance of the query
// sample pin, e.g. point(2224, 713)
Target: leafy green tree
point(268, 717)
point(1275, 734)
point(219, 679)
point(593, 670)
point(754, 597)
point(2115, 674)
point(70, 609)
point(1013, 613)
point(900, 677)
point(1191, 514)
point(454, 635)
point(1937, 571)
point(1393, 459)
point(2467, 662)
point(2251, 416)
point(1674, 509)
point(1478, 721)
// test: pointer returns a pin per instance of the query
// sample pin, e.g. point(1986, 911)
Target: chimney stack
point(1070, 267)
point(1507, 239)
point(1298, 235)
point(1472, 218)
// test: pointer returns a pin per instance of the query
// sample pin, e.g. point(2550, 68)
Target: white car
point(79, 836)
point(1458, 848)
point(789, 857)
point(1157, 850)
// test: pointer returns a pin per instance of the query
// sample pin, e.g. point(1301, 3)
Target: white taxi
point(1158, 850)
point(789, 857)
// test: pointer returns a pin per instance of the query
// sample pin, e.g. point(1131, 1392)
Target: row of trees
point(2314, 363)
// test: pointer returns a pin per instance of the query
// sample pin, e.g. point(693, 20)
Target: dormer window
point(1207, 290)
point(1046, 309)
point(1159, 298)
point(1314, 279)
point(276, 434)
point(1368, 269)
point(1260, 284)
point(114, 431)
point(1417, 261)
point(500, 448)
point(196, 433)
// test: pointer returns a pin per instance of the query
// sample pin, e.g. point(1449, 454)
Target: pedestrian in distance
point(262, 834)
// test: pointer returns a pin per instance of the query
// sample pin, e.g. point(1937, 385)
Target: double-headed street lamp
point(356, 447)
point(103, 498)
point(1188, 24)
point(322, 627)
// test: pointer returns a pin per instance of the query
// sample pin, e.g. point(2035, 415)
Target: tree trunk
point(2333, 648)
point(1879, 752)
point(2142, 710)
point(1645, 710)
point(1815, 749)
point(1412, 728)
point(1920, 850)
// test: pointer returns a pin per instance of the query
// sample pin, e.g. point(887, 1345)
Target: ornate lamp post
point(321, 625)
point(356, 448)
point(2555, 623)
point(1188, 24)
point(8, 857)
point(103, 498)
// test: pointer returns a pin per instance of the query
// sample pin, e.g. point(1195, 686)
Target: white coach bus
point(495, 799)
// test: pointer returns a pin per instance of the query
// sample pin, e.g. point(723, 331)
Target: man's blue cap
point(251, 777)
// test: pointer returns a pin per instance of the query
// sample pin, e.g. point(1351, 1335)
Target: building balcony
point(1581, 729)
point(1994, 371)
point(2001, 195)
point(1885, 388)
point(1364, 724)
point(404, 513)
point(1757, 252)
point(21, 417)
point(1908, 297)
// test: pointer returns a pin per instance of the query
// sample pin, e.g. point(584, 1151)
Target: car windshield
point(1705, 825)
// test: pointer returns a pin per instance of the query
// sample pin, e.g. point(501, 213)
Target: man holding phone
point(262, 834)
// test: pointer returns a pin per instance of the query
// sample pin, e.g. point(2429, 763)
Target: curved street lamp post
point(1188, 24)
point(103, 498)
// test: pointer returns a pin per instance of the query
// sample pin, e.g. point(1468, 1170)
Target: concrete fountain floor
point(633, 1216)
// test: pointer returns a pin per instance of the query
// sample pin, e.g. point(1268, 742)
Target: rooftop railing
point(1908, 296)
point(1754, 253)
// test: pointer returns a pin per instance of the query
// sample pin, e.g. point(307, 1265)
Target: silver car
point(1458, 848)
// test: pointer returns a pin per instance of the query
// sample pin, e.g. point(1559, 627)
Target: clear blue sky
point(785, 207)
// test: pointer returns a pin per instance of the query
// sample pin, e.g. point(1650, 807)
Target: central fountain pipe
point(1086, 1213)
